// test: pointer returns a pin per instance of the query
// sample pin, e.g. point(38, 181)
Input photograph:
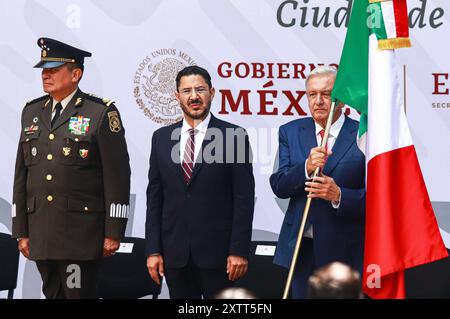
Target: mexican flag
point(401, 229)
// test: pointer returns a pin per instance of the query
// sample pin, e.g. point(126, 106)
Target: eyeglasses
point(199, 91)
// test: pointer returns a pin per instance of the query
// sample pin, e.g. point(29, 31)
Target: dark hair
point(74, 65)
point(194, 70)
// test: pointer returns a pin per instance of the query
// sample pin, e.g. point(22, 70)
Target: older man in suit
point(200, 196)
point(335, 226)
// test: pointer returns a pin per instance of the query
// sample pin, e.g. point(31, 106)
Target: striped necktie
point(322, 133)
point(188, 157)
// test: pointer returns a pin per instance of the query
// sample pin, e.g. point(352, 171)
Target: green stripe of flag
point(376, 20)
point(351, 86)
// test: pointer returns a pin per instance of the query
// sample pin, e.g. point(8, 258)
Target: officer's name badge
point(31, 129)
point(79, 125)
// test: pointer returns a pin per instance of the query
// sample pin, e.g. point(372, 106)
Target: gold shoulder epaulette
point(36, 100)
point(98, 99)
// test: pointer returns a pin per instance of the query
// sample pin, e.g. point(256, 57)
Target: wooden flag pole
point(306, 210)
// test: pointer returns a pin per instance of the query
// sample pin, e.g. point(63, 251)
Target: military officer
point(72, 177)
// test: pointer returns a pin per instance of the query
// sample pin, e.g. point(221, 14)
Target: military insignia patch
point(114, 121)
point(84, 152)
point(34, 151)
point(79, 125)
point(66, 151)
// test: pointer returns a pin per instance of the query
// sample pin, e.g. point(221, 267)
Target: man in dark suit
point(72, 177)
point(200, 197)
point(335, 226)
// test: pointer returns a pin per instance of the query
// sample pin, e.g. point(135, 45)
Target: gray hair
point(235, 293)
point(335, 281)
point(321, 70)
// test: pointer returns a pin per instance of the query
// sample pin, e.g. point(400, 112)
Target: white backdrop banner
point(258, 53)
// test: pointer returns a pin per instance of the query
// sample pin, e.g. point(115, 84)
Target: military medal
point(83, 152)
point(34, 151)
point(31, 129)
point(66, 151)
point(79, 125)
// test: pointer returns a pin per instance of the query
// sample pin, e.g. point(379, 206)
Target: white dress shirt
point(64, 103)
point(198, 137)
point(335, 129)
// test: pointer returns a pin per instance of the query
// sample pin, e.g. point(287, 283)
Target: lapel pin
point(66, 151)
point(84, 153)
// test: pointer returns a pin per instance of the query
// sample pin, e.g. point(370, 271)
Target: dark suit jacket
point(209, 218)
point(71, 180)
point(338, 233)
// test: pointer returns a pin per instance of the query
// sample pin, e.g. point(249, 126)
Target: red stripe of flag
point(401, 18)
point(401, 229)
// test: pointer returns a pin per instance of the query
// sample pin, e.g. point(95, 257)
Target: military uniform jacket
point(72, 181)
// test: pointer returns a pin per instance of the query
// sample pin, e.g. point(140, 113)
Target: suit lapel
point(174, 148)
point(343, 142)
point(307, 136)
point(70, 110)
point(46, 113)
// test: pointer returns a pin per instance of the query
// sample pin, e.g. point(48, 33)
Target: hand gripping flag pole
point(306, 210)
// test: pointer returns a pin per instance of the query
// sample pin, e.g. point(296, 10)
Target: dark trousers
point(69, 279)
point(192, 282)
point(303, 269)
